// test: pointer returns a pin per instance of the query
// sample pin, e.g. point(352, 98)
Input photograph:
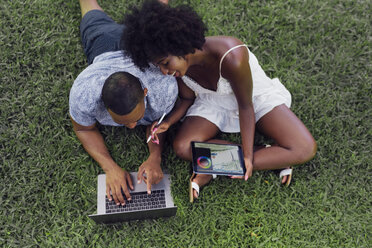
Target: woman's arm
point(184, 101)
point(235, 68)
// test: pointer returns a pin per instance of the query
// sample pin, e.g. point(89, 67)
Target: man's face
point(130, 120)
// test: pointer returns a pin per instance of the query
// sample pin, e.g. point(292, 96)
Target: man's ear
point(145, 91)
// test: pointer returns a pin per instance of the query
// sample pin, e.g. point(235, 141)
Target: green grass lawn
point(321, 51)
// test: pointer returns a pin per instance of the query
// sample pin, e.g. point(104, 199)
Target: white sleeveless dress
point(221, 108)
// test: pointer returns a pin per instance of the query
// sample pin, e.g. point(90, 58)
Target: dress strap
point(227, 53)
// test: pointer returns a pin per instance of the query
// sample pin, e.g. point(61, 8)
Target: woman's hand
point(155, 130)
point(248, 167)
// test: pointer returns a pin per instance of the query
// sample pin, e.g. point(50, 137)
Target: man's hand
point(153, 171)
point(117, 180)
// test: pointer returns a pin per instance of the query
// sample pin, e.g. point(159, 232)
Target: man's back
point(86, 106)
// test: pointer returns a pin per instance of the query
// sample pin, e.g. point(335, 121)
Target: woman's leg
point(294, 143)
point(194, 128)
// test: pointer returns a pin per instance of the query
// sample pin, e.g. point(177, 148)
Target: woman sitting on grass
point(229, 90)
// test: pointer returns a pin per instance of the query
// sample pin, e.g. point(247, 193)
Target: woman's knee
point(182, 148)
point(306, 150)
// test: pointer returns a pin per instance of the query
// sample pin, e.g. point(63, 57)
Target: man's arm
point(116, 177)
point(151, 166)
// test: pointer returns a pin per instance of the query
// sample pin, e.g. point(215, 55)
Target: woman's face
point(172, 65)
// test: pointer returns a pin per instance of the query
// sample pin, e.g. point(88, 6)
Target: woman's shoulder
point(232, 53)
point(227, 48)
point(222, 44)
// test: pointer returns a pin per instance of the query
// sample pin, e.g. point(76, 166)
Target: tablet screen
point(221, 159)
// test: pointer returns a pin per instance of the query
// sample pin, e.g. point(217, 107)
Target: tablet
point(219, 159)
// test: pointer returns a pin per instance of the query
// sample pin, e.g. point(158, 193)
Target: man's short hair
point(121, 93)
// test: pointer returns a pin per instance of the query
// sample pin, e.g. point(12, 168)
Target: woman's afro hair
point(157, 30)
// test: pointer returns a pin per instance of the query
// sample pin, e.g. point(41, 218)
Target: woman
point(233, 93)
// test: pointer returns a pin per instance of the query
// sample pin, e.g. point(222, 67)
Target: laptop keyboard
point(140, 201)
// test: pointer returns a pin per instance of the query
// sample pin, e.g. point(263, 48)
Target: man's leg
point(87, 5)
point(99, 33)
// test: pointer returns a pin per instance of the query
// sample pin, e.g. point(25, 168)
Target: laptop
point(142, 206)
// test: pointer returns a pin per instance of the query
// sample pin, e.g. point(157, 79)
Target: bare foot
point(286, 179)
point(201, 180)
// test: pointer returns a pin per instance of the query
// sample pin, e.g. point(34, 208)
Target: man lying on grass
point(112, 91)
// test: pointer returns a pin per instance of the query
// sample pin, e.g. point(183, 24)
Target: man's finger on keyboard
point(113, 193)
point(148, 187)
point(119, 196)
point(129, 181)
point(108, 192)
point(140, 174)
point(144, 177)
point(126, 192)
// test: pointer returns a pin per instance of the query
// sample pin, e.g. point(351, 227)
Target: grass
point(321, 51)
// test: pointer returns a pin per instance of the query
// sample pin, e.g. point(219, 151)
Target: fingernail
point(149, 192)
point(129, 199)
point(117, 204)
point(123, 204)
point(138, 181)
point(110, 199)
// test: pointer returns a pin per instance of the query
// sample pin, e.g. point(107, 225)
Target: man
point(112, 91)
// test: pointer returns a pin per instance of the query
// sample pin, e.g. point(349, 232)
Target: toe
point(195, 194)
point(284, 179)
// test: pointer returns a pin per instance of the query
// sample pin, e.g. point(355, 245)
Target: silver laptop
point(142, 206)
